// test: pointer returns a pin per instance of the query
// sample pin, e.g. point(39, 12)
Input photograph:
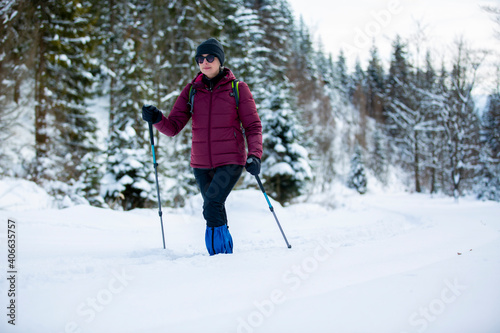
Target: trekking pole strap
point(151, 137)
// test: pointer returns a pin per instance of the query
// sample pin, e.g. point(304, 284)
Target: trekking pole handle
point(152, 143)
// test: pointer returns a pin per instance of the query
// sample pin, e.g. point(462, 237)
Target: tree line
point(320, 120)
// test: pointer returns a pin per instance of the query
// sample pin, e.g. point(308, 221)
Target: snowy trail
point(381, 263)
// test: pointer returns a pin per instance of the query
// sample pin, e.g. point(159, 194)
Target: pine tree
point(302, 70)
point(357, 177)
point(16, 35)
point(489, 184)
point(378, 161)
point(241, 34)
point(341, 75)
point(285, 161)
point(492, 125)
point(376, 85)
point(128, 181)
point(16, 49)
point(235, 21)
point(359, 94)
point(65, 133)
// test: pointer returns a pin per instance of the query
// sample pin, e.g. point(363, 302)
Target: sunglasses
point(210, 58)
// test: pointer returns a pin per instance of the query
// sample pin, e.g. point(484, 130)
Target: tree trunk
point(418, 189)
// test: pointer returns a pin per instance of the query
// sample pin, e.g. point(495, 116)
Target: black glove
point(151, 114)
point(253, 165)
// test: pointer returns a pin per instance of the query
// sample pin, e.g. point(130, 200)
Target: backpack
point(235, 93)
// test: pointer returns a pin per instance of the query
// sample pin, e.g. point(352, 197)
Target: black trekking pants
point(215, 186)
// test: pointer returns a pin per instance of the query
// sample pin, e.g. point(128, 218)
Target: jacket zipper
point(210, 129)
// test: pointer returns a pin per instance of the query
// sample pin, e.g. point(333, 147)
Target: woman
point(218, 152)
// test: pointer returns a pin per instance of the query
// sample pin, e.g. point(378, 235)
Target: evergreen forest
point(74, 75)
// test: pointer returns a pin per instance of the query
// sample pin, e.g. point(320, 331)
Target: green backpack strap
point(192, 92)
point(236, 92)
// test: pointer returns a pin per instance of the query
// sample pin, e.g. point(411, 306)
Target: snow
point(281, 168)
point(20, 195)
point(382, 262)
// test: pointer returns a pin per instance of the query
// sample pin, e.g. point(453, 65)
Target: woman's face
point(210, 69)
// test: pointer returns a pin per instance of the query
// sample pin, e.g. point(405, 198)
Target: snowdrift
point(379, 264)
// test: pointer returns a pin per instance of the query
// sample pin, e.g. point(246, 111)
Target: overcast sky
point(352, 25)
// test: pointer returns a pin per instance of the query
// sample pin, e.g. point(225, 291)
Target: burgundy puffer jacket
point(217, 124)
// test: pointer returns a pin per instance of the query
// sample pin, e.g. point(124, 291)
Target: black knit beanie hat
point(211, 46)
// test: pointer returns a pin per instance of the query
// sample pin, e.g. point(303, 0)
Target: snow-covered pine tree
point(376, 85)
point(488, 185)
point(286, 165)
point(65, 133)
point(492, 125)
point(378, 162)
point(16, 35)
point(236, 23)
point(357, 178)
point(359, 94)
point(489, 174)
point(342, 79)
point(301, 67)
point(375, 89)
point(129, 181)
point(285, 162)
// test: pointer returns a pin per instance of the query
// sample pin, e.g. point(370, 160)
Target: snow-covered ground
point(376, 264)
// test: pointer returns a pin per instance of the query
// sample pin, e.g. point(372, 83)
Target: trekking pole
point(272, 209)
point(156, 175)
